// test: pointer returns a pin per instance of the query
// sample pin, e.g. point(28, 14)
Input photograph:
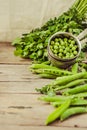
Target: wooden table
point(20, 108)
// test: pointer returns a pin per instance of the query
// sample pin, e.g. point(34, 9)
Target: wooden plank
point(20, 109)
point(7, 55)
point(16, 73)
point(22, 87)
point(8, 100)
point(27, 110)
point(18, 79)
point(19, 127)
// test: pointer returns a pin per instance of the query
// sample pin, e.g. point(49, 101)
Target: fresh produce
point(57, 113)
point(68, 79)
point(64, 82)
point(64, 48)
point(79, 102)
point(74, 96)
point(84, 48)
point(64, 105)
point(81, 95)
point(57, 98)
point(48, 71)
point(74, 68)
point(72, 111)
point(77, 89)
point(33, 45)
point(72, 84)
point(74, 102)
point(83, 67)
point(72, 81)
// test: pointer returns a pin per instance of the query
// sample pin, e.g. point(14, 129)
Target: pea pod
point(71, 84)
point(46, 62)
point(41, 66)
point(64, 81)
point(78, 89)
point(57, 113)
point(80, 95)
point(75, 68)
point(51, 71)
point(54, 98)
point(74, 102)
point(47, 69)
point(78, 101)
point(72, 111)
point(48, 76)
point(57, 103)
point(70, 78)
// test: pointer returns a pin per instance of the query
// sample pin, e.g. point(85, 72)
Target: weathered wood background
point(20, 108)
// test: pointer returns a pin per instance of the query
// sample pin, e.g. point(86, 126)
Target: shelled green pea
point(64, 48)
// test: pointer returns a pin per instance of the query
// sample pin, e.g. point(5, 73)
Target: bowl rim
point(68, 34)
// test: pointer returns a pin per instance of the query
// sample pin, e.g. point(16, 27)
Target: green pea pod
point(78, 101)
point(46, 62)
point(49, 69)
point(74, 102)
point(57, 113)
point(53, 98)
point(78, 89)
point(70, 78)
point(41, 66)
point(72, 111)
point(55, 72)
point(72, 84)
point(65, 80)
point(49, 76)
point(57, 103)
point(80, 95)
point(74, 68)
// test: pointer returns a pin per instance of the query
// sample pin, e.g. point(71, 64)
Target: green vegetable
point(56, 72)
point(54, 98)
point(80, 95)
point(75, 68)
point(64, 47)
point(71, 84)
point(34, 44)
point(63, 82)
point(70, 78)
point(77, 89)
point(72, 111)
point(74, 102)
point(82, 66)
point(42, 66)
point(48, 71)
point(79, 102)
point(57, 113)
point(48, 76)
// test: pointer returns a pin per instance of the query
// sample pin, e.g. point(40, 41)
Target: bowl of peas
point(63, 49)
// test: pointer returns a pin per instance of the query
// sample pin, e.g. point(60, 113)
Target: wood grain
point(7, 55)
point(20, 127)
point(20, 109)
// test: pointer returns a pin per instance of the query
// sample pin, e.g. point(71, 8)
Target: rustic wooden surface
point(20, 108)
